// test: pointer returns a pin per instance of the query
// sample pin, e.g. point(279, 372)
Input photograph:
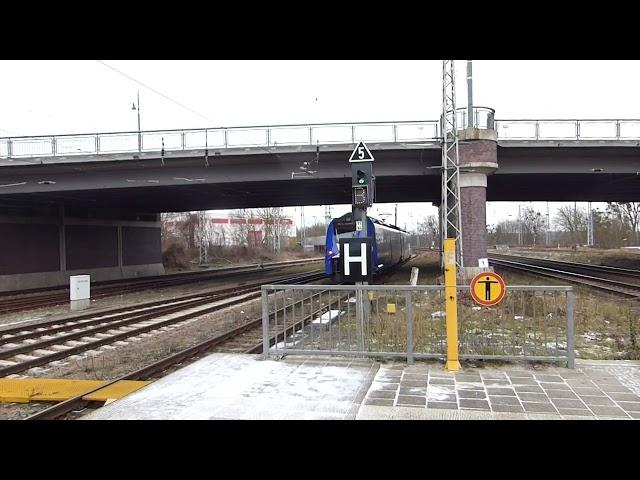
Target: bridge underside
point(257, 179)
point(522, 187)
point(106, 203)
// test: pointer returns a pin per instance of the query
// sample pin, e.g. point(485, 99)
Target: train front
point(344, 227)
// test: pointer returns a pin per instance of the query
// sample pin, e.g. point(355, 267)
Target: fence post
point(409, 315)
point(571, 355)
point(53, 146)
point(359, 317)
point(265, 325)
point(9, 148)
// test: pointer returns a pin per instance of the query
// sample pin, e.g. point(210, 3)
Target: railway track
point(595, 276)
point(29, 300)
point(245, 338)
point(27, 346)
point(573, 266)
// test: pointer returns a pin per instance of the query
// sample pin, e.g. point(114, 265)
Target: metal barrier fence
point(325, 134)
point(533, 323)
point(218, 138)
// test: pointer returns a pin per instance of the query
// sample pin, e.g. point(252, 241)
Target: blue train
point(391, 244)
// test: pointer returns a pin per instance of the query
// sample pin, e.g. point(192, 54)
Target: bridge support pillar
point(478, 157)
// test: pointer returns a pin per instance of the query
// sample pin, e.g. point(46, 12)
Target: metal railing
point(323, 134)
point(483, 118)
point(568, 129)
point(532, 323)
point(218, 138)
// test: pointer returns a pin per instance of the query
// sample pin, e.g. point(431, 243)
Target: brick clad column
point(478, 158)
point(474, 219)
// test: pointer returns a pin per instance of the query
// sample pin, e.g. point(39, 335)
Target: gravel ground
point(110, 361)
point(60, 311)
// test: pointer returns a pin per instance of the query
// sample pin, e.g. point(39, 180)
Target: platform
point(228, 386)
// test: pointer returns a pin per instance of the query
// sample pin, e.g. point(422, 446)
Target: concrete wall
point(44, 250)
point(28, 248)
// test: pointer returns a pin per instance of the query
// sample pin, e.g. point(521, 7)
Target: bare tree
point(611, 231)
point(429, 228)
point(169, 225)
point(239, 231)
point(504, 232)
point(203, 235)
point(315, 230)
point(533, 226)
point(572, 220)
point(274, 227)
point(628, 213)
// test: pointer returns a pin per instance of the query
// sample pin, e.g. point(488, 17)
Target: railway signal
point(363, 191)
point(362, 179)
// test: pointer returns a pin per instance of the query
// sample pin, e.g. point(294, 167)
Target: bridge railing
point(218, 138)
point(483, 118)
point(568, 129)
point(328, 133)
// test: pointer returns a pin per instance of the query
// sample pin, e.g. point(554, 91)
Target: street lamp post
point(136, 106)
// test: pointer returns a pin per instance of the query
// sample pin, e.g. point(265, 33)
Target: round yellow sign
point(487, 288)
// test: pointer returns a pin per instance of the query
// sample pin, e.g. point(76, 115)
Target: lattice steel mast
point(450, 203)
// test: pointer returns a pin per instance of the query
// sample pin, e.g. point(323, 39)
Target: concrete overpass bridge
point(89, 202)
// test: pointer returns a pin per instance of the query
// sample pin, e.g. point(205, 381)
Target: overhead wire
point(266, 149)
point(154, 91)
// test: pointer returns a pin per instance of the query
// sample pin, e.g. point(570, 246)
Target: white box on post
point(80, 291)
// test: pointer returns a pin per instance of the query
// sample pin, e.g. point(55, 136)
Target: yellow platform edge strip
point(25, 390)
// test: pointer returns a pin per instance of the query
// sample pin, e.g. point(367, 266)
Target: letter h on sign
point(355, 260)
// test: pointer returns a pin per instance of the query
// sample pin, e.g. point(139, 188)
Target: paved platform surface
point(594, 390)
point(226, 386)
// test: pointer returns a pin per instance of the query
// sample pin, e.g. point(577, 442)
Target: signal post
point(358, 250)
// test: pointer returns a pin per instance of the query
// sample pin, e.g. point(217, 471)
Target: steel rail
point(45, 359)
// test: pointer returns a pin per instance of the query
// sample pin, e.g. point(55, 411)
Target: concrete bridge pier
point(478, 157)
point(42, 247)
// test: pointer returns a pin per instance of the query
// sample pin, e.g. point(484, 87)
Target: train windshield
point(345, 227)
point(345, 224)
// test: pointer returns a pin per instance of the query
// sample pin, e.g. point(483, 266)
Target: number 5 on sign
point(361, 154)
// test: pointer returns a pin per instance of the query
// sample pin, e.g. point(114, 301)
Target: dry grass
point(605, 325)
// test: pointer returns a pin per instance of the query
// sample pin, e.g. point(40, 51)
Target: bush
point(174, 256)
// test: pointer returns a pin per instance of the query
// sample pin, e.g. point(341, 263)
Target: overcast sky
point(55, 97)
